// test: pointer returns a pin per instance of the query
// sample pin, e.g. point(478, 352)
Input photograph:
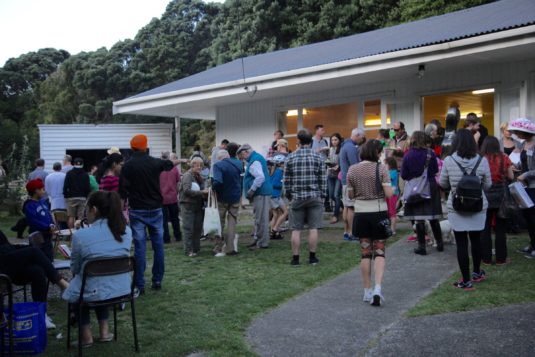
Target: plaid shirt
point(304, 175)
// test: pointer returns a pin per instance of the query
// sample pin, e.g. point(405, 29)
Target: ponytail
point(108, 205)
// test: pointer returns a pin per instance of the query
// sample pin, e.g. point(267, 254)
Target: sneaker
point(478, 277)
point(156, 285)
point(277, 236)
point(467, 286)
point(412, 238)
point(530, 255)
point(49, 324)
point(501, 262)
point(294, 262)
point(486, 262)
point(347, 236)
point(526, 250)
point(352, 238)
point(220, 254)
point(313, 261)
point(138, 292)
point(232, 253)
point(377, 299)
point(368, 295)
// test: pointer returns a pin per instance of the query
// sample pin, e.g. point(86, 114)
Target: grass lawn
point(509, 284)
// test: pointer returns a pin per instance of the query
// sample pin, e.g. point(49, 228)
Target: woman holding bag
point(501, 170)
point(524, 129)
point(369, 184)
point(420, 160)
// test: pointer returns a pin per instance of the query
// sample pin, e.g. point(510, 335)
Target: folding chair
point(6, 321)
point(99, 268)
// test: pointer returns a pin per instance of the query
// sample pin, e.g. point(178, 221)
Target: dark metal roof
point(493, 17)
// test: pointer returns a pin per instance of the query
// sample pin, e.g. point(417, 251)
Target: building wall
point(56, 139)
point(255, 122)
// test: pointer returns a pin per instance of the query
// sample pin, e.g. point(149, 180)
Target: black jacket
point(140, 180)
point(76, 184)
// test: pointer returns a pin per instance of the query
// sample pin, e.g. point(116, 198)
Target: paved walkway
point(332, 319)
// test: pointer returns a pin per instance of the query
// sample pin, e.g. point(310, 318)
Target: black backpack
point(468, 196)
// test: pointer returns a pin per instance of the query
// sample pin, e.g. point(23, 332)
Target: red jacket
point(168, 185)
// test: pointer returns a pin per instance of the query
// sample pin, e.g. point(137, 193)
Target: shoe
point(530, 255)
point(377, 299)
point(49, 324)
point(138, 292)
point(368, 295)
point(352, 238)
point(294, 262)
point(157, 285)
point(252, 245)
point(233, 253)
point(478, 277)
point(412, 238)
point(220, 254)
point(467, 286)
point(313, 261)
point(526, 250)
point(486, 262)
point(501, 262)
point(277, 236)
point(347, 236)
point(108, 338)
point(420, 251)
point(440, 246)
point(272, 234)
point(334, 220)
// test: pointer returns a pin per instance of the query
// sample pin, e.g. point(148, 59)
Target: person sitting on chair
point(38, 215)
point(108, 236)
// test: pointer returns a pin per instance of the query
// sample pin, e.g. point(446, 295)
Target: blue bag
point(29, 328)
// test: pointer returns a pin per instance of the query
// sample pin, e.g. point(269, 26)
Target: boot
point(420, 233)
point(440, 244)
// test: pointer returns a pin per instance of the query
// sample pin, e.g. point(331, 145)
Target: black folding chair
point(6, 321)
point(98, 268)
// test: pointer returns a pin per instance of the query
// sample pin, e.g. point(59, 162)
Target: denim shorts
point(306, 212)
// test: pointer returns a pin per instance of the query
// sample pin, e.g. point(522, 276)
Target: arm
point(217, 178)
point(386, 182)
point(287, 180)
point(256, 170)
point(404, 171)
point(487, 179)
point(167, 165)
point(322, 177)
point(277, 179)
point(87, 185)
point(510, 174)
point(444, 181)
point(187, 180)
point(124, 184)
point(76, 255)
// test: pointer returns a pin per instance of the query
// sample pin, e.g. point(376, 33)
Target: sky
point(71, 25)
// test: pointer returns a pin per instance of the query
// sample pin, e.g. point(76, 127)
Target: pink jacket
point(168, 185)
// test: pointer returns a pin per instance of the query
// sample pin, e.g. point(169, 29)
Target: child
point(278, 208)
point(38, 215)
point(392, 201)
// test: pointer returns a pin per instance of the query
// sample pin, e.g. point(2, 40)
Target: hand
point(77, 224)
point(250, 194)
point(521, 177)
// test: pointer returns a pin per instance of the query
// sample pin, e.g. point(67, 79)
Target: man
point(277, 135)
point(169, 181)
point(473, 123)
point(400, 138)
point(67, 160)
point(140, 184)
point(75, 190)
point(226, 182)
point(54, 183)
point(216, 149)
point(320, 145)
point(257, 188)
point(349, 155)
point(39, 172)
point(306, 186)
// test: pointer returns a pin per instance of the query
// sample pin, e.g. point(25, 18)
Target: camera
point(385, 227)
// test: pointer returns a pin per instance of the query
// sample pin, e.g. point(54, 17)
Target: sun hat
point(139, 142)
point(114, 150)
point(33, 185)
point(522, 124)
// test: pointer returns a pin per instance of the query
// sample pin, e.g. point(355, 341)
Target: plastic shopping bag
point(211, 223)
point(29, 328)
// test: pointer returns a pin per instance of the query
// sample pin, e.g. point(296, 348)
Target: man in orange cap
point(38, 215)
point(140, 184)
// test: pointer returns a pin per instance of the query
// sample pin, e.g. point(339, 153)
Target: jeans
point(140, 221)
point(335, 193)
point(170, 214)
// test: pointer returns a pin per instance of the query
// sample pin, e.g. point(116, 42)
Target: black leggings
point(462, 252)
point(30, 265)
point(420, 231)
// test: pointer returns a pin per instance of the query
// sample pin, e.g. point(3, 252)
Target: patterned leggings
point(369, 249)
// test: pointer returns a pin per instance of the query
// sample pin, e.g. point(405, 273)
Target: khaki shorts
point(76, 207)
point(306, 212)
point(348, 202)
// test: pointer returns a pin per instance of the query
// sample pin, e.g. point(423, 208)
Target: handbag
point(211, 223)
point(508, 207)
point(417, 189)
point(29, 328)
point(384, 225)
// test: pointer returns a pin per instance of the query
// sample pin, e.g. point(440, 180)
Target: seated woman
point(27, 265)
point(108, 236)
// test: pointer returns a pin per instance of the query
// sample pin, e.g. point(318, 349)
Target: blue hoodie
point(38, 215)
point(226, 180)
point(276, 182)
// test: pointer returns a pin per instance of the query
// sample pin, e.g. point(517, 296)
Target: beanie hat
point(33, 185)
point(139, 142)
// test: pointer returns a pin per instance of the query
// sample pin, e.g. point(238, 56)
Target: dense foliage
point(52, 86)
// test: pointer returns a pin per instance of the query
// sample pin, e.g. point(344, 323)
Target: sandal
point(84, 345)
point(334, 220)
point(108, 338)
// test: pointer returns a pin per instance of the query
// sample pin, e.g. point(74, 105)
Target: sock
point(377, 289)
point(312, 255)
point(296, 258)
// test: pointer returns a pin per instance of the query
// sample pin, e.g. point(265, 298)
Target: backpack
point(468, 196)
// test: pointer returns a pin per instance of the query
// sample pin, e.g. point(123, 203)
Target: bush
point(12, 188)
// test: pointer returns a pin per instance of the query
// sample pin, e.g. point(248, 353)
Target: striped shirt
point(109, 183)
point(304, 175)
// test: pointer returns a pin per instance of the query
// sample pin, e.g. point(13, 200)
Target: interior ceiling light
point(294, 112)
point(483, 91)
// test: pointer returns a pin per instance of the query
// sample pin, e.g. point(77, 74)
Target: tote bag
point(211, 223)
point(29, 328)
point(417, 189)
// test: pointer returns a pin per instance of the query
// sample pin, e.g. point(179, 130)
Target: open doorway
point(480, 102)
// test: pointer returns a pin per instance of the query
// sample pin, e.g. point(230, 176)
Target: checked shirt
point(304, 175)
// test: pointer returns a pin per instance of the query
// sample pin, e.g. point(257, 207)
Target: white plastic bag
point(211, 223)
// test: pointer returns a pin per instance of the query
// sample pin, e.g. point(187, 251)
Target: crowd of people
point(458, 175)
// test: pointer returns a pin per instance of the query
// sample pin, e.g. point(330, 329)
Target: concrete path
point(332, 319)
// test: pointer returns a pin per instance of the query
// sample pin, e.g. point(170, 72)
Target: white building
point(91, 142)
point(481, 59)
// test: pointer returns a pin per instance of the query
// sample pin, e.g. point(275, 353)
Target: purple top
point(414, 162)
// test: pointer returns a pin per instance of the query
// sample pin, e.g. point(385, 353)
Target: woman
point(466, 225)
point(281, 148)
point(108, 236)
point(109, 172)
point(420, 158)
point(26, 265)
point(369, 192)
point(334, 185)
point(501, 171)
point(431, 130)
point(524, 129)
point(508, 144)
point(192, 194)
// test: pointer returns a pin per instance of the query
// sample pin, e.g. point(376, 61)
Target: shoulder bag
point(417, 189)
